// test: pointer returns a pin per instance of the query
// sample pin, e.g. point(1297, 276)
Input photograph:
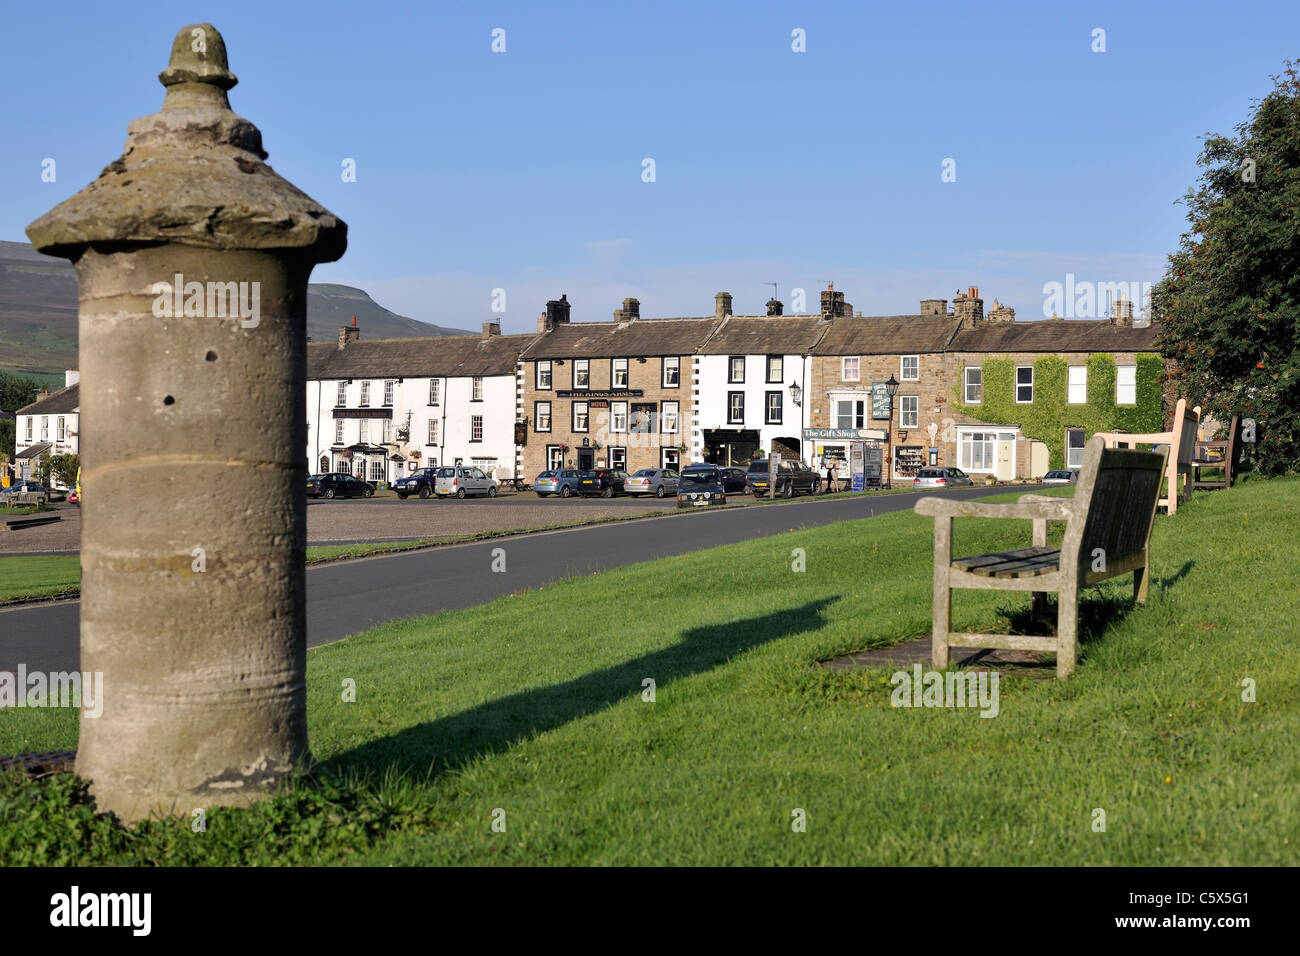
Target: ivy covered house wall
point(1050, 413)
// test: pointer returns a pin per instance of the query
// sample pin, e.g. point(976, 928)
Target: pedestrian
point(835, 474)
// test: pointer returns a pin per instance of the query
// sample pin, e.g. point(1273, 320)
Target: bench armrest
point(1147, 438)
point(1039, 507)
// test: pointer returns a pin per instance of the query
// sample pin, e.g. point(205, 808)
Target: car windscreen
point(546, 474)
point(699, 478)
point(446, 472)
point(930, 473)
point(760, 465)
point(644, 473)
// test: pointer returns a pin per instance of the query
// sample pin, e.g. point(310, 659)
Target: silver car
point(660, 482)
point(463, 480)
point(941, 478)
point(1060, 477)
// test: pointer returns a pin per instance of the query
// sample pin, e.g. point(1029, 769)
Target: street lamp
point(796, 394)
point(891, 389)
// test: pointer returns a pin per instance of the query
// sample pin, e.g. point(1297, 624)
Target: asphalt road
point(349, 597)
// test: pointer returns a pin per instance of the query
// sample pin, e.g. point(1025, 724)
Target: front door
point(586, 459)
point(1006, 467)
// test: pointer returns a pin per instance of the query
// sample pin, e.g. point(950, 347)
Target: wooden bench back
point(1187, 429)
point(1115, 500)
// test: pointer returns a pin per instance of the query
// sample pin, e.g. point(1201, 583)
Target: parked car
point(735, 480)
point(1060, 477)
point(659, 482)
point(606, 482)
point(560, 481)
point(418, 483)
point(941, 478)
point(338, 484)
point(700, 486)
point(25, 492)
point(463, 480)
point(793, 478)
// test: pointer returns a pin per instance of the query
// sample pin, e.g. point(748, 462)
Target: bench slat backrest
point(1115, 501)
point(1191, 424)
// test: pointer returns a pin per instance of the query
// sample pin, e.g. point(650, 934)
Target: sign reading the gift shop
point(843, 434)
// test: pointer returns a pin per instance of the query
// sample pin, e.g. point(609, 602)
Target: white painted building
point(49, 426)
point(383, 408)
point(749, 380)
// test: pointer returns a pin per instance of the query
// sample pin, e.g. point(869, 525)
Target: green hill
point(38, 313)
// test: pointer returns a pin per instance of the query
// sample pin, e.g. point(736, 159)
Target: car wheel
point(607, 492)
point(425, 491)
point(329, 492)
point(816, 487)
point(460, 492)
point(659, 492)
point(368, 493)
point(789, 489)
point(492, 491)
point(565, 491)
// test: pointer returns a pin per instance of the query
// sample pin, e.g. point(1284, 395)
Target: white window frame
point(376, 471)
point(1018, 385)
point(476, 428)
point(541, 409)
point(386, 429)
point(672, 363)
point(1074, 454)
point(780, 369)
point(542, 374)
point(338, 430)
point(735, 377)
point(902, 368)
point(909, 418)
point(732, 418)
point(476, 388)
point(1126, 392)
point(586, 416)
point(857, 368)
point(1076, 388)
point(670, 418)
point(618, 365)
point(618, 418)
point(45, 428)
point(61, 429)
point(342, 398)
point(432, 434)
point(774, 415)
point(389, 387)
point(365, 394)
point(29, 428)
point(363, 431)
point(583, 365)
point(967, 385)
point(857, 412)
point(988, 442)
point(435, 391)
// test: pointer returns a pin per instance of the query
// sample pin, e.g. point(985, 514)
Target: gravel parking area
point(62, 535)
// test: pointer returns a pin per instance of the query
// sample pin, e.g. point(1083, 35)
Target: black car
point(337, 484)
point(735, 481)
point(701, 486)
point(418, 483)
point(606, 482)
point(792, 479)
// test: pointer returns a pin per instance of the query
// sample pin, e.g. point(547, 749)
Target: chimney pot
point(722, 304)
point(491, 328)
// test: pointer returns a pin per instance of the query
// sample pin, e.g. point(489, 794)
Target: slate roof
point(638, 338)
point(62, 402)
point(433, 357)
point(887, 335)
point(1063, 335)
point(765, 335)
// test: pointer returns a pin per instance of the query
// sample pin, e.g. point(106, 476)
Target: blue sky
point(522, 170)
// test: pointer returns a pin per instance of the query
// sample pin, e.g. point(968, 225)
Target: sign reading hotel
point(843, 434)
point(600, 393)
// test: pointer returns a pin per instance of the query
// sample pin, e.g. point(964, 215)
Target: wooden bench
point(1181, 440)
point(1107, 534)
point(17, 524)
point(1218, 456)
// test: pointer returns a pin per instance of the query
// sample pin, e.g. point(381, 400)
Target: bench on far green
point(1107, 534)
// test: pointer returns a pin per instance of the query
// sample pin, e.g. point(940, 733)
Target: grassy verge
point(527, 706)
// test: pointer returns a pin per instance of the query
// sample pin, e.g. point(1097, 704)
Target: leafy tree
point(1230, 299)
point(64, 468)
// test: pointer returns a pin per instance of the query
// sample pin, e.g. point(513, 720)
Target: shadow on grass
point(1097, 611)
point(441, 745)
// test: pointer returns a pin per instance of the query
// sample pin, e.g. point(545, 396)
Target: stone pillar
point(192, 259)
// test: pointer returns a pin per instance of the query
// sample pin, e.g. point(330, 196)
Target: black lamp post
point(796, 394)
point(891, 389)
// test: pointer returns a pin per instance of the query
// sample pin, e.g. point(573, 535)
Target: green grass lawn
point(532, 705)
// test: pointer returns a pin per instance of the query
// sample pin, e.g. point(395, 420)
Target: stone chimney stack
point(969, 307)
point(557, 311)
point(71, 377)
point(1001, 313)
point(934, 306)
point(192, 258)
point(491, 328)
point(349, 333)
point(834, 306)
point(630, 312)
point(774, 307)
point(722, 305)
point(1122, 311)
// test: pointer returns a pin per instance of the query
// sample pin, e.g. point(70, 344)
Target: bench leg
point(1067, 628)
point(942, 592)
point(1038, 609)
point(1141, 579)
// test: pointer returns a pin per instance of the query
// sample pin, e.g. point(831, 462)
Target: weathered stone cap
point(193, 173)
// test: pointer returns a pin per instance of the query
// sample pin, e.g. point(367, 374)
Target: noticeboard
point(879, 401)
